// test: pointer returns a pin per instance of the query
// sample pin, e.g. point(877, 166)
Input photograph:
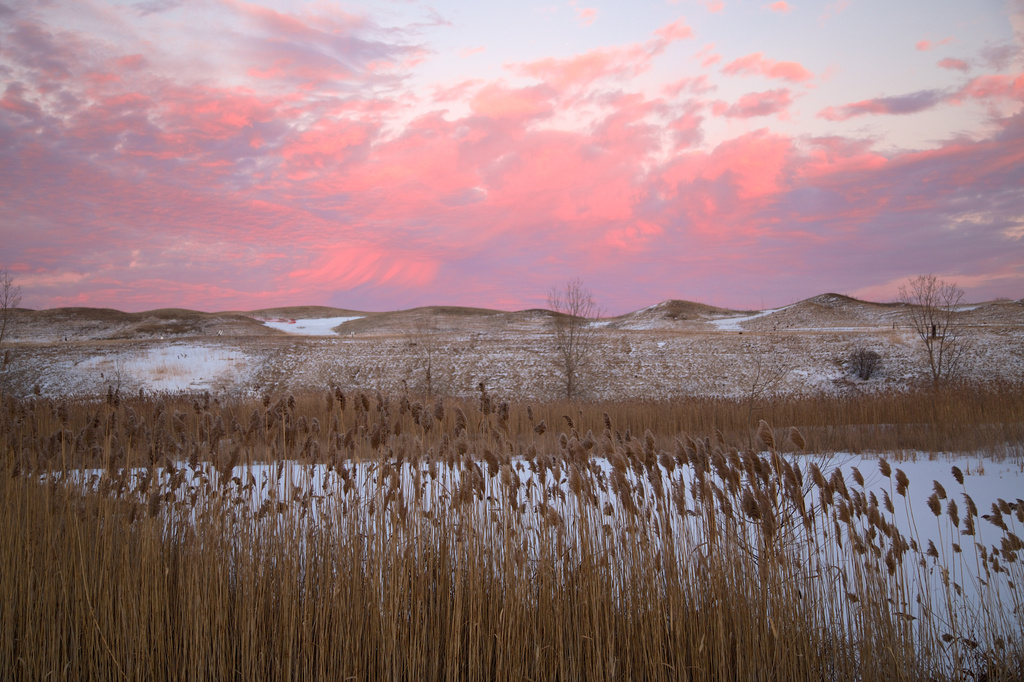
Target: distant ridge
point(824, 311)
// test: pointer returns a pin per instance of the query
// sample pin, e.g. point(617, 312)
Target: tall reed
point(363, 536)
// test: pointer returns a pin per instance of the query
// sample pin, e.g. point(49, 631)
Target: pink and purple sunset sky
point(224, 154)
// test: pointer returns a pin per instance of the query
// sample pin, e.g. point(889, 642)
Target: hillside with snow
point(671, 349)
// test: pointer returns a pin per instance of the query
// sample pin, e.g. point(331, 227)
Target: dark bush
point(864, 362)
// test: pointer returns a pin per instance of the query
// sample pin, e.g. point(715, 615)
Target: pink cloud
point(707, 56)
point(456, 92)
point(130, 62)
point(483, 200)
point(14, 101)
point(713, 6)
point(759, 104)
point(498, 101)
point(831, 157)
point(697, 85)
point(747, 167)
point(992, 87)
point(757, 64)
point(954, 64)
point(348, 267)
point(324, 145)
point(586, 68)
point(470, 51)
point(616, 62)
point(181, 191)
point(669, 33)
point(585, 15)
point(686, 129)
point(925, 45)
point(781, 7)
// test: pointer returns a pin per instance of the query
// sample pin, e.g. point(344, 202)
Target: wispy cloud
point(780, 7)
point(954, 64)
point(585, 16)
point(910, 103)
point(707, 56)
point(990, 87)
point(925, 45)
point(614, 62)
point(757, 104)
point(758, 64)
point(833, 10)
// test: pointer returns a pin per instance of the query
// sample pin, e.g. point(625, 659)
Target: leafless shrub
point(864, 362)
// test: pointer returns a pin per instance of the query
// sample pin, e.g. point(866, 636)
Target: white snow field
point(170, 368)
point(733, 324)
point(323, 326)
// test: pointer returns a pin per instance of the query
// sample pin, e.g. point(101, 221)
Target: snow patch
point(177, 367)
point(732, 324)
point(321, 326)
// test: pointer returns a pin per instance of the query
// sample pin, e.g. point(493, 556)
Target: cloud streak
point(757, 64)
point(990, 87)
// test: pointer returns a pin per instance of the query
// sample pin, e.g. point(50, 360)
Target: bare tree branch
point(932, 312)
point(770, 369)
point(425, 348)
point(574, 309)
point(10, 298)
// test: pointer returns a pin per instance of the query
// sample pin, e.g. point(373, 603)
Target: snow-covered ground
point(323, 326)
point(650, 355)
point(170, 368)
point(733, 324)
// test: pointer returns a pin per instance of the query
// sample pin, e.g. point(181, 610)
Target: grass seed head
point(954, 513)
point(902, 482)
point(797, 438)
point(765, 435)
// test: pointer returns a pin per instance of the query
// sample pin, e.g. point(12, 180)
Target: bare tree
point(770, 367)
point(932, 313)
point(574, 309)
point(423, 344)
point(10, 298)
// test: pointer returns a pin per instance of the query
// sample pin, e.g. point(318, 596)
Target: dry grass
point(425, 551)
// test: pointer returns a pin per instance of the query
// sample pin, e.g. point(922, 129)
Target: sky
point(234, 155)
